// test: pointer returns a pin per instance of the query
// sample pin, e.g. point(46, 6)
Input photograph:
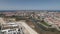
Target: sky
point(29, 4)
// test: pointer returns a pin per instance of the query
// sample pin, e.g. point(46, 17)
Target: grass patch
point(43, 22)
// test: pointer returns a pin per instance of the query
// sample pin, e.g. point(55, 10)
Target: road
point(30, 30)
point(39, 27)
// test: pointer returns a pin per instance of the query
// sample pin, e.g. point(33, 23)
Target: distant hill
point(30, 10)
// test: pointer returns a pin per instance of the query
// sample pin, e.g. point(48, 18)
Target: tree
point(2, 15)
point(0, 26)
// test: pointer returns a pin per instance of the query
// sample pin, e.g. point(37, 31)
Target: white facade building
point(11, 28)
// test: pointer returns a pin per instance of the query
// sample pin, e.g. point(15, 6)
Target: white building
point(11, 28)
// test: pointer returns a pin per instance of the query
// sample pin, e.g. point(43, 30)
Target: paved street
point(29, 29)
